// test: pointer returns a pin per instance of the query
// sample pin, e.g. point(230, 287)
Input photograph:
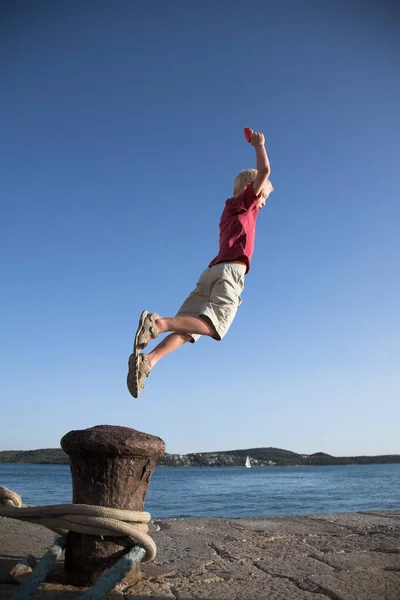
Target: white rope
point(82, 518)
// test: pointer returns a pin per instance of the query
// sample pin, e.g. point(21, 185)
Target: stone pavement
point(348, 556)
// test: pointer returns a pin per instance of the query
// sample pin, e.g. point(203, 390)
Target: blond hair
point(245, 177)
point(242, 179)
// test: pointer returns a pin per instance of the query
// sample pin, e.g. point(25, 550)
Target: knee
point(185, 337)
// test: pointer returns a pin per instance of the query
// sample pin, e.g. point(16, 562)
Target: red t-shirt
point(237, 228)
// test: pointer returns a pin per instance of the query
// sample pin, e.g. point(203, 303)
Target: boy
point(211, 307)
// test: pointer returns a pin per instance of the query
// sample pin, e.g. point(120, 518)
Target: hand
point(257, 139)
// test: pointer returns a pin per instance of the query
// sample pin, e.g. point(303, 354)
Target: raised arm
point(263, 166)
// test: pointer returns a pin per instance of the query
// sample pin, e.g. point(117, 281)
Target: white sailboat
point(247, 463)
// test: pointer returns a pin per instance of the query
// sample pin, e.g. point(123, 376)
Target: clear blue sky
point(121, 131)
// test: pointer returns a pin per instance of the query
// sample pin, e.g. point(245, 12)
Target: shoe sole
point(138, 332)
point(132, 379)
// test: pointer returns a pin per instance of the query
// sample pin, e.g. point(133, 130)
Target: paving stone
point(363, 585)
point(271, 589)
point(364, 561)
point(294, 568)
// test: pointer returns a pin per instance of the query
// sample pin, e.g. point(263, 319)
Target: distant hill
point(54, 456)
point(260, 457)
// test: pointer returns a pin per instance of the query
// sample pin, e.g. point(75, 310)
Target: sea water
point(233, 492)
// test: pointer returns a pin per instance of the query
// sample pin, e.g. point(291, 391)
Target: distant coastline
point(259, 457)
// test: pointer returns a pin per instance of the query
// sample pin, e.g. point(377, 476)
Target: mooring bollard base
point(103, 555)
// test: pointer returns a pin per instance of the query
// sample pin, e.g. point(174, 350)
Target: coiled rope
point(82, 518)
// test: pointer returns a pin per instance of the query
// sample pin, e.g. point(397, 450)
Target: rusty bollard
point(111, 466)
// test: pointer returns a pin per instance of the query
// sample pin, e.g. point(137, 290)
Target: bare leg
point(169, 344)
point(185, 325)
point(180, 327)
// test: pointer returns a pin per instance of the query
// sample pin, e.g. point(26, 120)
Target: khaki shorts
point(216, 297)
